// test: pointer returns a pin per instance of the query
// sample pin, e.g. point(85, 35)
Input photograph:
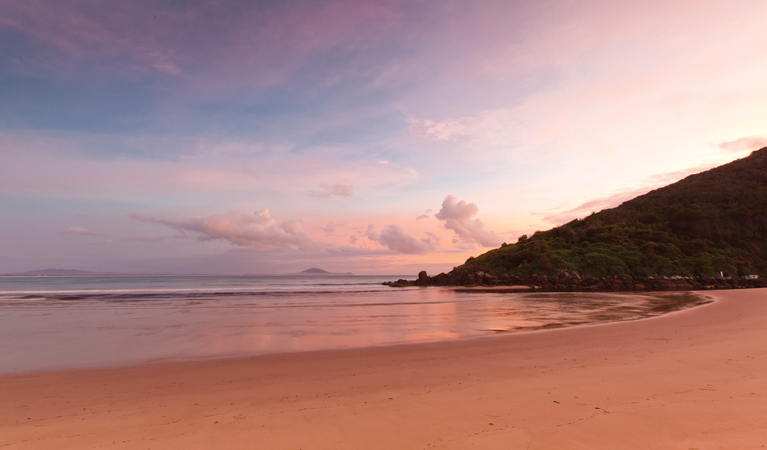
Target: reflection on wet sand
point(99, 330)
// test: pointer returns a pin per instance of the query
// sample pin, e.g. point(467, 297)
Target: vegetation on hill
point(711, 222)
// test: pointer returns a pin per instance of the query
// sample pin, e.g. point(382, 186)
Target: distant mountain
point(316, 271)
point(710, 224)
point(61, 272)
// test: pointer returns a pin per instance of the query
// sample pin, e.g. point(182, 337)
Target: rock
point(566, 281)
point(423, 279)
point(398, 283)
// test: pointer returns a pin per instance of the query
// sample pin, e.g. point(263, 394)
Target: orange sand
point(695, 379)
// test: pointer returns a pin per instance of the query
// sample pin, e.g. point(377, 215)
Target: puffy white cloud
point(255, 230)
point(395, 238)
point(459, 217)
point(332, 190)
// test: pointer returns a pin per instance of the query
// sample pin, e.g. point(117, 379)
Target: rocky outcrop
point(565, 281)
point(399, 283)
point(423, 279)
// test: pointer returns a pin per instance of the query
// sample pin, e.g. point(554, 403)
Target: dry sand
point(696, 379)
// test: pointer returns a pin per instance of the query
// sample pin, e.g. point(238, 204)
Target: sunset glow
point(380, 137)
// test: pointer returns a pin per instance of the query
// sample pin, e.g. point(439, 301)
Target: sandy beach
point(695, 379)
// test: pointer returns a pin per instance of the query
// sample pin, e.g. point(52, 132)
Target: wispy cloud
point(425, 215)
point(330, 228)
point(255, 230)
point(487, 129)
point(82, 231)
point(332, 190)
point(153, 239)
point(594, 205)
point(559, 217)
point(460, 218)
point(746, 143)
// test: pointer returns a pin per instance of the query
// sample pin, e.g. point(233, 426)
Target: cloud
point(254, 230)
point(746, 143)
point(458, 217)
point(334, 190)
point(83, 231)
point(397, 168)
point(490, 130)
point(423, 216)
point(432, 237)
point(395, 238)
point(166, 67)
point(152, 239)
point(594, 205)
point(330, 228)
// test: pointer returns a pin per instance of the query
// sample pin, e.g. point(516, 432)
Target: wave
point(183, 284)
point(184, 294)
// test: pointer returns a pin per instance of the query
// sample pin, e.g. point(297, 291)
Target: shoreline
point(687, 379)
point(702, 300)
point(73, 351)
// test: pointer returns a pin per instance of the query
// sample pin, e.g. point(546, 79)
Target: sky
point(373, 137)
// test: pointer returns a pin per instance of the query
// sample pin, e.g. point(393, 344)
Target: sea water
point(59, 322)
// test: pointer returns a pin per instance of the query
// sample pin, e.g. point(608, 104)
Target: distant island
point(708, 230)
point(316, 271)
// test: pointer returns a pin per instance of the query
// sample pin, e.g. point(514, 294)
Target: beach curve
point(692, 379)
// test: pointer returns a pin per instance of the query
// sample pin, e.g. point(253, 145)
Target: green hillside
point(711, 222)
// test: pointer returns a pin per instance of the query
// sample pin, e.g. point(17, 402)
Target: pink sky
point(381, 137)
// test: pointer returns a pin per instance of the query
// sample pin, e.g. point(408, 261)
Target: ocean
point(62, 322)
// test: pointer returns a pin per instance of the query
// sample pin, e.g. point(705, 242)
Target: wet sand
point(694, 379)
